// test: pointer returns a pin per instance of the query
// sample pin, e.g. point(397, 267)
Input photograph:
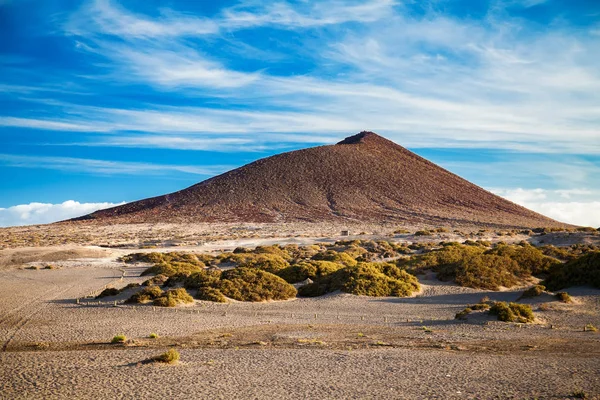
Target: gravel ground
point(54, 347)
point(287, 374)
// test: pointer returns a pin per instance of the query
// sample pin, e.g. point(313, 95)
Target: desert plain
point(56, 335)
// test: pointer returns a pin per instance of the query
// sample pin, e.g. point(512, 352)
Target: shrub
point(480, 306)
point(267, 262)
point(108, 292)
point(423, 233)
point(368, 279)
point(275, 250)
point(211, 294)
point(564, 297)
point(531, 260)
point(469, 266)
point(174, 268)
point(590, 328)
point(157, 258)
point(334, 256)
point(512, 312)
point(171, 356)
point(202, 278)
point(157, 280)
point(533, 291)
point(153, 335)
point(480, 271)
point(173, 297)
point(308, 270)
point(250, 284)
point(462, 315)
point(131, 286)
point(584, 270)
point(145, 295)
point(118, 339)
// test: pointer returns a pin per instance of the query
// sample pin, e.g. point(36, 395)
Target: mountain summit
point(363, 178)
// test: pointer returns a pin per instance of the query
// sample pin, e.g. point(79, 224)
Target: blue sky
point(106, 101)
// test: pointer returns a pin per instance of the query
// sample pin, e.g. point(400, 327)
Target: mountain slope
point(363, 178)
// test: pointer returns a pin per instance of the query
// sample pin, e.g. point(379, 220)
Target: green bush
point(564, 297)
point(148, 294)
point(480, 306)
point(512, 312)
point(267, 262)
point(312, 269)
point(108, 292)
point(584, 270)
point(157, 280)
point(423, 233)
point(118, 339)
point(334, 256)
point(202, 278)
point(172, 268)
point(462, 315)
point(367, 279)
point(275, 250)
point(173, 297)
point(153, 335)
point(251, 284)
point(470, 266)
point(211, 294)
point(158, 258)
point(531, 260)
point(533, 291)
point(171, 356)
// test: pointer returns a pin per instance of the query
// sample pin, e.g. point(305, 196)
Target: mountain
point(363, 178)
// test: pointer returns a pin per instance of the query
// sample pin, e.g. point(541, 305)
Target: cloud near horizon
point(44, 213)
point(558, 204)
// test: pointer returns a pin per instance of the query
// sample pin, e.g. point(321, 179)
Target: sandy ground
point(337, 346)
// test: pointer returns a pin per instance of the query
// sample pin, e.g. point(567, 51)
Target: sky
point(107, 101)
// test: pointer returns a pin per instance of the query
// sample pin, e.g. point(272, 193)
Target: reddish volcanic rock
point(365, 177)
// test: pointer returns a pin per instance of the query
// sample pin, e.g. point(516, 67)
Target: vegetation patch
point(564, 297)
point(462, 315)
point(118, 339)
point(211, 294)
point(171, 356)
point(108, 292)
point(250, 284)
point(334, 256)
point(170, 269)
point(157, 280)
point(512, 312)
point(367, 279)
point(533, 291)
point(531, 260)
point(312, 269)
point(173, 297)
point(584, 270)
point(476, 267)
point(145, 295)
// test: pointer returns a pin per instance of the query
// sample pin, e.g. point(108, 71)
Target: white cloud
point(423, 80)
point(552, 204)
point(44, 213)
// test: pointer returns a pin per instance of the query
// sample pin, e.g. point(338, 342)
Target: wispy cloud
point(264, 76)
point(420, 79)
point(44, 213)
point(105, 167)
